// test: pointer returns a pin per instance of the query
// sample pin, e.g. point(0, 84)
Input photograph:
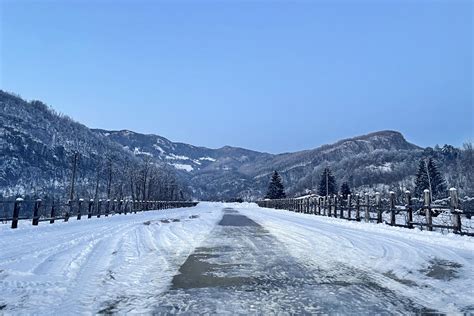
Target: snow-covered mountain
point(209, 173)
point(36, 146)
point(381, 157)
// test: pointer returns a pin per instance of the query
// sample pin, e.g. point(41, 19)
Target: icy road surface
point(231, 258)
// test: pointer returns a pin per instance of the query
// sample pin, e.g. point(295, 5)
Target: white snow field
point(231, 258)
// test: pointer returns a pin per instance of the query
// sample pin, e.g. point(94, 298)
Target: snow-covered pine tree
point(438, 185)
point(421, 181)
point(327, 184)
point(345, 189)
point(428, 177)
point(275, 188)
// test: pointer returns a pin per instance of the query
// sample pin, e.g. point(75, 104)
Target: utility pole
point(109, 182)
point(73, 180)
point(327, 182)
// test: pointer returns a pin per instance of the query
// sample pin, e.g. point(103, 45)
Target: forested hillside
point(38, 146)
point(378, 161)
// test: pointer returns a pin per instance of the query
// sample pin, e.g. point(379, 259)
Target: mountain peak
point(385, 139)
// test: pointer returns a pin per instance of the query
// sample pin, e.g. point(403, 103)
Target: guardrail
point(424, 215)
point(52, 210)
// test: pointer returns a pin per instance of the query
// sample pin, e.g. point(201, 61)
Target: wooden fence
point(413, 213)
point(49, 211)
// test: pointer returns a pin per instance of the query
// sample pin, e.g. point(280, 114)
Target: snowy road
point(220, 258)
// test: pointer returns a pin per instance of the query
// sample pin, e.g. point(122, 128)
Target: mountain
point(383, 157)
point(37, 146)
point(209, 173)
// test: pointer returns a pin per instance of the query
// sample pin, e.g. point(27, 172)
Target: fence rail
point(52, 210)
point(413, 213)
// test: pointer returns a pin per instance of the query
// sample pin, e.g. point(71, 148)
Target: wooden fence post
point(16, 212)
point(429, 220)
point(107, 207)
point(36, 209)
point(53, 213)
point(89, 208)
point(378, 207)
point(358, 207)
point(68, 210)
point(334, 199)
point(409, 209)
point(367, 208)
point(120, 206)
point(79, 209)
point(99, 208)
point(329, 205)
point(341, 205)
point(392, 208)
point(456, 217)
point(349, 206)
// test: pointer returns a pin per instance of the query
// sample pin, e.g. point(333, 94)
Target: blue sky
point(275, 76)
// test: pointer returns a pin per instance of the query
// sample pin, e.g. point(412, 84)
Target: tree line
point(428, 177)
point(141, 179)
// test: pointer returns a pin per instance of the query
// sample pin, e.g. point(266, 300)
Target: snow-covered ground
point(281, 260)
point(434, 270)
point(86, 266)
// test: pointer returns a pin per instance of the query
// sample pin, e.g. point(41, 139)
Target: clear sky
point(274, 76)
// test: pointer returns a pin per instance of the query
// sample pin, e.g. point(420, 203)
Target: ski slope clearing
point(227, 258)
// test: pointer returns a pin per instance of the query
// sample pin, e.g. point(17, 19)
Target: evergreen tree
point(275, 188)
point(345, 189)
point(438, 185)
point(428, 177)
point(327, 184)
point(421, 181)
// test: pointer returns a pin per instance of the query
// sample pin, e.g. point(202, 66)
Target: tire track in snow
point(242, 268)
point(79, 267)
point(393, 258)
